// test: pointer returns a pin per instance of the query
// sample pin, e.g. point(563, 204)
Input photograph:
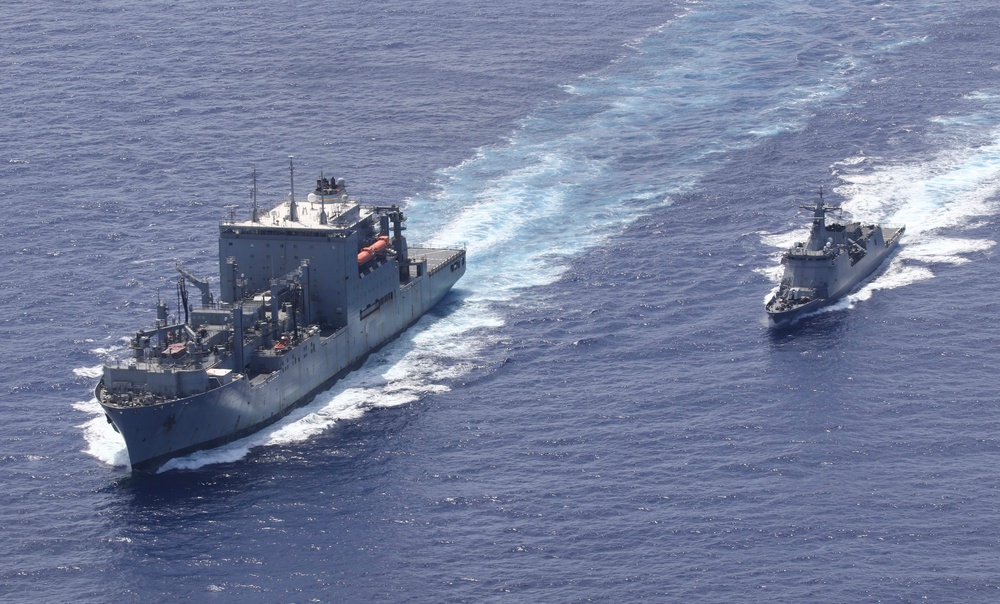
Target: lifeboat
point(367, 253)
point(283, 344)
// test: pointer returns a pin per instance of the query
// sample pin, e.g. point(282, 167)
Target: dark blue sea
point(598, 412)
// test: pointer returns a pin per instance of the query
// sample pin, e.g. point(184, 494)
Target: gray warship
point(307, 290)
point(835, 259)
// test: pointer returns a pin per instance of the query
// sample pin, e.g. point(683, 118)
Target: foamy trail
point(625, 141)
point(937, 199)
point(102, 441)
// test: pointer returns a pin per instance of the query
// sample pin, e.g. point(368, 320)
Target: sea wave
point(576, 173)
point(941, 200)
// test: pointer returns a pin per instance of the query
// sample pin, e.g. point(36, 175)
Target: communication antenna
point(253, 195)
point(292, 214)
point(322, 199)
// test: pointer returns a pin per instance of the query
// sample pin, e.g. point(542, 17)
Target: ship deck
point(436, 258)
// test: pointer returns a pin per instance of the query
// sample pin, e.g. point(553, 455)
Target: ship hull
point(156, 433)
point(847, 280)
point(787, 317)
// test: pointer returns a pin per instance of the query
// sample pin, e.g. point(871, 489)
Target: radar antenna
point(820, 208)
point(817, 235)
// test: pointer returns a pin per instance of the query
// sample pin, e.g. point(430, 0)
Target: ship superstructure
point(835, 259)
point(306, 291)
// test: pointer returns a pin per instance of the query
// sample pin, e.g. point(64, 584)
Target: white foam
point(226, 454)
point(947, 250)
point(102, 441)
point(89, 372)
point(561, 185)
point(937, 199)
point(773, 273)
point(414, 366)
point(897, 274)
point(946, 191)
point(981, 95)
point(785, 240)
point(402, 373)
point(852, 161)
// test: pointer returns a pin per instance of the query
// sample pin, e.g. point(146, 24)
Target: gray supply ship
point(308, 290)
point(835, 259)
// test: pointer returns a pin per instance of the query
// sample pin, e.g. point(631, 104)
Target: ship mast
point(253, 194)
point(293, 216)
point(817, 236)
point(322, 199)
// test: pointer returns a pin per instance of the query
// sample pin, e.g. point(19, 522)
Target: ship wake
point(942, 201)
point(570, 176)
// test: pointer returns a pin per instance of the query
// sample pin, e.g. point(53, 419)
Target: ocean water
point(598, 412)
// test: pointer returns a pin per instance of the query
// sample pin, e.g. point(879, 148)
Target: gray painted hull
point(844, 276)
point(157, 433)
